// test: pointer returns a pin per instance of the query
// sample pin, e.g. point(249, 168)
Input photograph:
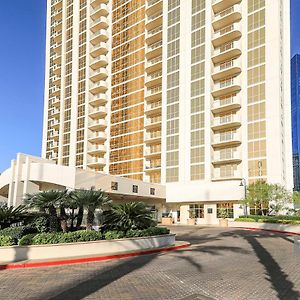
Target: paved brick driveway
point(222, 264)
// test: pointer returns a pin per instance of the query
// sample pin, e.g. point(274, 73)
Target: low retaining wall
point(21, 253)
point(289, 228)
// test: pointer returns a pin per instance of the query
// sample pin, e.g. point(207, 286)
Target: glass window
point(228, 206)
point(196, 211)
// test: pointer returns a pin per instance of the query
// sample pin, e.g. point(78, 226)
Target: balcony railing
point(227, 47)
point(225, 30)
point(227, 119)
point(225, 137)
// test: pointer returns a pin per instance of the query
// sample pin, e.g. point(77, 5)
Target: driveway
point(221, 264)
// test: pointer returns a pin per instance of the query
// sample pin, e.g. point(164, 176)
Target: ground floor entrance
point(202, 213)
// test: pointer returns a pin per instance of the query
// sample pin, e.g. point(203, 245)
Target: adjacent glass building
point(295, 93)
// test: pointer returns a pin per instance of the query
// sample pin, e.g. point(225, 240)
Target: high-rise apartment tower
point(193, 94)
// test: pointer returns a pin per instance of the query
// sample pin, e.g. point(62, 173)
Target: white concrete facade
point(29, 174)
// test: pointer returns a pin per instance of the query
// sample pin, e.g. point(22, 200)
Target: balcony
point(154, 50)
point(54, 145)
point(154, 35)
point(226, 17)
point(227, 86)
point(98, 11)
point(57, 4)
point(55, 91)
point(56, 102)
point(98, 87)
point(153, 137)
point(153, 79)
point(57, 69)
point(100, 23)
point(98, 99)
point(57, 58)
point(227, 69)
point(232, 102)
point(220, 5)
point(57, 25)
point(55, 124)
point(96, 3)
point(153, 6)
point(98, 62)
point(99, 49)
point(226, 52)
point(98, 112)
point(154, 64)
point(154, 20)
point(57, 47)
point(153, 94)
point(234, 176)
point(228, 157)
point(94, 162)
point(152, 152)
point(96, 150)
point(227, 121)
point(57, 14)
point(98, 74)
point(99, 36)
point(55, 135)
point(226, 139)
point(227, 34)
point(56, 79)
point(57, 36)
point(151, 123)
point(55, 113)
point(152, 167)
point(97, 125)
point(153, 109)
point(97, 137)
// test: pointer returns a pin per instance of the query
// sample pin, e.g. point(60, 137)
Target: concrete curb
point(39, 264)
point(270, 230)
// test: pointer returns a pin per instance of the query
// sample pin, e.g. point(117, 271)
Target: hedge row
point(76, 236)
point(270, 219)
point(151, 231)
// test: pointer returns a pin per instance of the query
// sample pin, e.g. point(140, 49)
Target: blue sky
point(22, 24)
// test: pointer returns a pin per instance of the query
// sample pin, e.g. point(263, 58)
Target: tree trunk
point(53, 220)
point(63, 219)
point(79, 217)
point(90, 219)
point(72, 219)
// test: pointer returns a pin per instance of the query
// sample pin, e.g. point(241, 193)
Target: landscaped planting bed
point(270, 219)
point(13, 236)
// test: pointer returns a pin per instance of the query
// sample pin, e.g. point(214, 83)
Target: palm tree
point(90, 200)
point(131, 215)
point(47, 201)
point(11, 215)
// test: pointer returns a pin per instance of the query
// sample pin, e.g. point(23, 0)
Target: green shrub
point(7, 240)
point(270, 219)
point(60, 237)
point(41, 223)
point(126, 216)
point(26, 240)
point(151, 231)
point(114, 234)
point(80, 236)
point(157, 231)
point(17, 233)
point(241, 219)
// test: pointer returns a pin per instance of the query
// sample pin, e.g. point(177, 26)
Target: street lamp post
point(244, 184)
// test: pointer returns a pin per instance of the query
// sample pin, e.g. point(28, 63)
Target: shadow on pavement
point(102, 278)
